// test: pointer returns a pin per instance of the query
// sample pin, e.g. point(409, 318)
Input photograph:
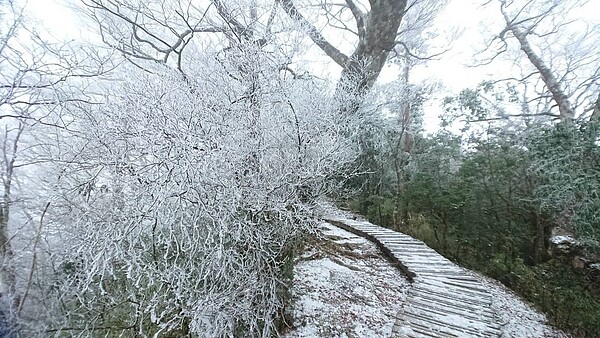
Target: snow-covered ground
point(518, 319)
point(344, 287)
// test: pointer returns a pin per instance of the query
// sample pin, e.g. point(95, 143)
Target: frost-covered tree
point(178, 199)
point(170, 226)
point(37, 79)
point(373, 37)
point(33, 84)
point(555, 53)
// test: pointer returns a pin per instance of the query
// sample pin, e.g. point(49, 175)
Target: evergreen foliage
point(489, 198)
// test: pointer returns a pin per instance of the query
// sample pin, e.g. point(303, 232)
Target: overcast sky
point(450, 70)
point(62, 23)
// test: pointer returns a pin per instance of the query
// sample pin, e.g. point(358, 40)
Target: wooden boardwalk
point(443, 301)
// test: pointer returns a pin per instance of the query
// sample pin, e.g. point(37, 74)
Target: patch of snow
point(329, 210)
point(518, 319)
point(406, 331)
point(557, 240)
point(345, 293)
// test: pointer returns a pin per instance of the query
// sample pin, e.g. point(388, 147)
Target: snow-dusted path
point(344, 288)
point(445, 300)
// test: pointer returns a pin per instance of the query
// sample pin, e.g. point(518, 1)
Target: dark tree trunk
point(377, 33)
point(541, 232)
point(596, 111)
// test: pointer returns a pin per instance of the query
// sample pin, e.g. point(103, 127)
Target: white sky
point(55, 16)
point(62, 23)
point(451, 70)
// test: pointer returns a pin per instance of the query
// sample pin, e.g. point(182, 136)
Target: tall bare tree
point(376, 29)
point(562, 51)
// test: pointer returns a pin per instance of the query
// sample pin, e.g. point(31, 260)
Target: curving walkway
point(443, 301)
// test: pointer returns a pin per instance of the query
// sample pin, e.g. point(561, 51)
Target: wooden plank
point(431, 266)
point(459, 296)
point(378, 229)
point(466, 278)
point(418, 267)
point(456, 274)
point(476, 287)
point(403, 251)
point(422, 255)
point(424, 264)
point(441, 301)
point(390, 233)
point(391, 237)
point(421, 247)
point(417, 252)
point(396, 237)
point(473, 284)
point(427, 269)
point(445, 324)
point(447, 300)
point(438, 328)
point(428, 260)
point(411, 249)
point(403, 243)
point(442, 309)
point(448, 284)
point(406, 252)
point(370, 226)
point(426, 329)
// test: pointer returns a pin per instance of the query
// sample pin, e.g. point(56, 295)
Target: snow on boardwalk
point(444, 300)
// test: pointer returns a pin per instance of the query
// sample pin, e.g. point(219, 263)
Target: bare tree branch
point(359, 16)
point(337, 56)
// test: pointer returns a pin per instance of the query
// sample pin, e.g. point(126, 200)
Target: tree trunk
point(7, 272)
point(407, 142)
point(377, 34)
point(558, 95)
point(539, 242)
point(595, 118)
